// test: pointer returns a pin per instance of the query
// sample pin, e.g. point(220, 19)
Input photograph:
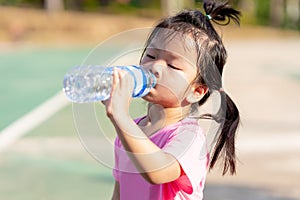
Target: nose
point(156, 68)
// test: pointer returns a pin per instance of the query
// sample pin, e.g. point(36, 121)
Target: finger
point(122, 76)
point(116, 80)
point(113, 86)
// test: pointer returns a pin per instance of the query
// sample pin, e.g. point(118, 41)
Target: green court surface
point(25, 177)
point(29, 76)
point(49, 162)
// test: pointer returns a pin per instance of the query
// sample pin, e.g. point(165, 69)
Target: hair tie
point(208, 17)
point(221, 90)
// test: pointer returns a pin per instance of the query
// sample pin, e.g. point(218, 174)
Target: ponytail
point(225, 144)
point(220, 12)
point(211, 59)
point(211, 65)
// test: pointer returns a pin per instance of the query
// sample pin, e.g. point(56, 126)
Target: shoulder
point(190, 126)
point(187, 133)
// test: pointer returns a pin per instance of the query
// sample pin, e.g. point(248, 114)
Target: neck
point(166, 116)
point(159, 117)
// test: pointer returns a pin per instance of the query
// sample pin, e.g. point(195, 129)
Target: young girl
point(160, 155)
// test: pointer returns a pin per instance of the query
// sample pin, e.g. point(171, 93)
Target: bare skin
point(170, 102)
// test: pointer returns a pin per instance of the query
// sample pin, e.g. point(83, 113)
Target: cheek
point(167, 97)
point(143, 59)
point(176, 84)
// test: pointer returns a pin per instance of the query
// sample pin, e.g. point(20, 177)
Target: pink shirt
point(184, 140)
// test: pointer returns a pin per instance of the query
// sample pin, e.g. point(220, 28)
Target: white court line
point(43, 112)
point(29, 121)
point(248, 143)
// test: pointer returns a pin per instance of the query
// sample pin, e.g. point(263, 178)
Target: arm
point(116, 194)
point(155, 165)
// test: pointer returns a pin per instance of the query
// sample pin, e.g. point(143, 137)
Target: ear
point(196, 93)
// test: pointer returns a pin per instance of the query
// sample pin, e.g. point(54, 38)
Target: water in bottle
point(85, 84)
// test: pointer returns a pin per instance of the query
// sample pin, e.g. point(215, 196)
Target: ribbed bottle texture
point(84, 84)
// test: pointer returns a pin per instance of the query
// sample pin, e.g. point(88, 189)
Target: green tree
point(262, 11)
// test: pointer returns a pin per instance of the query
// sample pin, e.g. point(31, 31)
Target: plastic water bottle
point(84, 84)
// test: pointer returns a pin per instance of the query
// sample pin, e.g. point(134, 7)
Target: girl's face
point(172, 59)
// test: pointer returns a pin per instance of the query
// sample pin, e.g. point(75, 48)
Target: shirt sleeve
point(187, 144)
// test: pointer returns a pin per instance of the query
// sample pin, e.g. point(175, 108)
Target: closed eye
point(173, 67)
point(150, 56)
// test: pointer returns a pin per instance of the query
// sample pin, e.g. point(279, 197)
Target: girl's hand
point(156, 166)
point(117, 105)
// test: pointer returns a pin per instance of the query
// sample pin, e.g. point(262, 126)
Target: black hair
point(211, 59)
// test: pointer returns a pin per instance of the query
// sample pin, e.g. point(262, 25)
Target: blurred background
point(41, 156)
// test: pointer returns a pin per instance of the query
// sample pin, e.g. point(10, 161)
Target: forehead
point(177, 43)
